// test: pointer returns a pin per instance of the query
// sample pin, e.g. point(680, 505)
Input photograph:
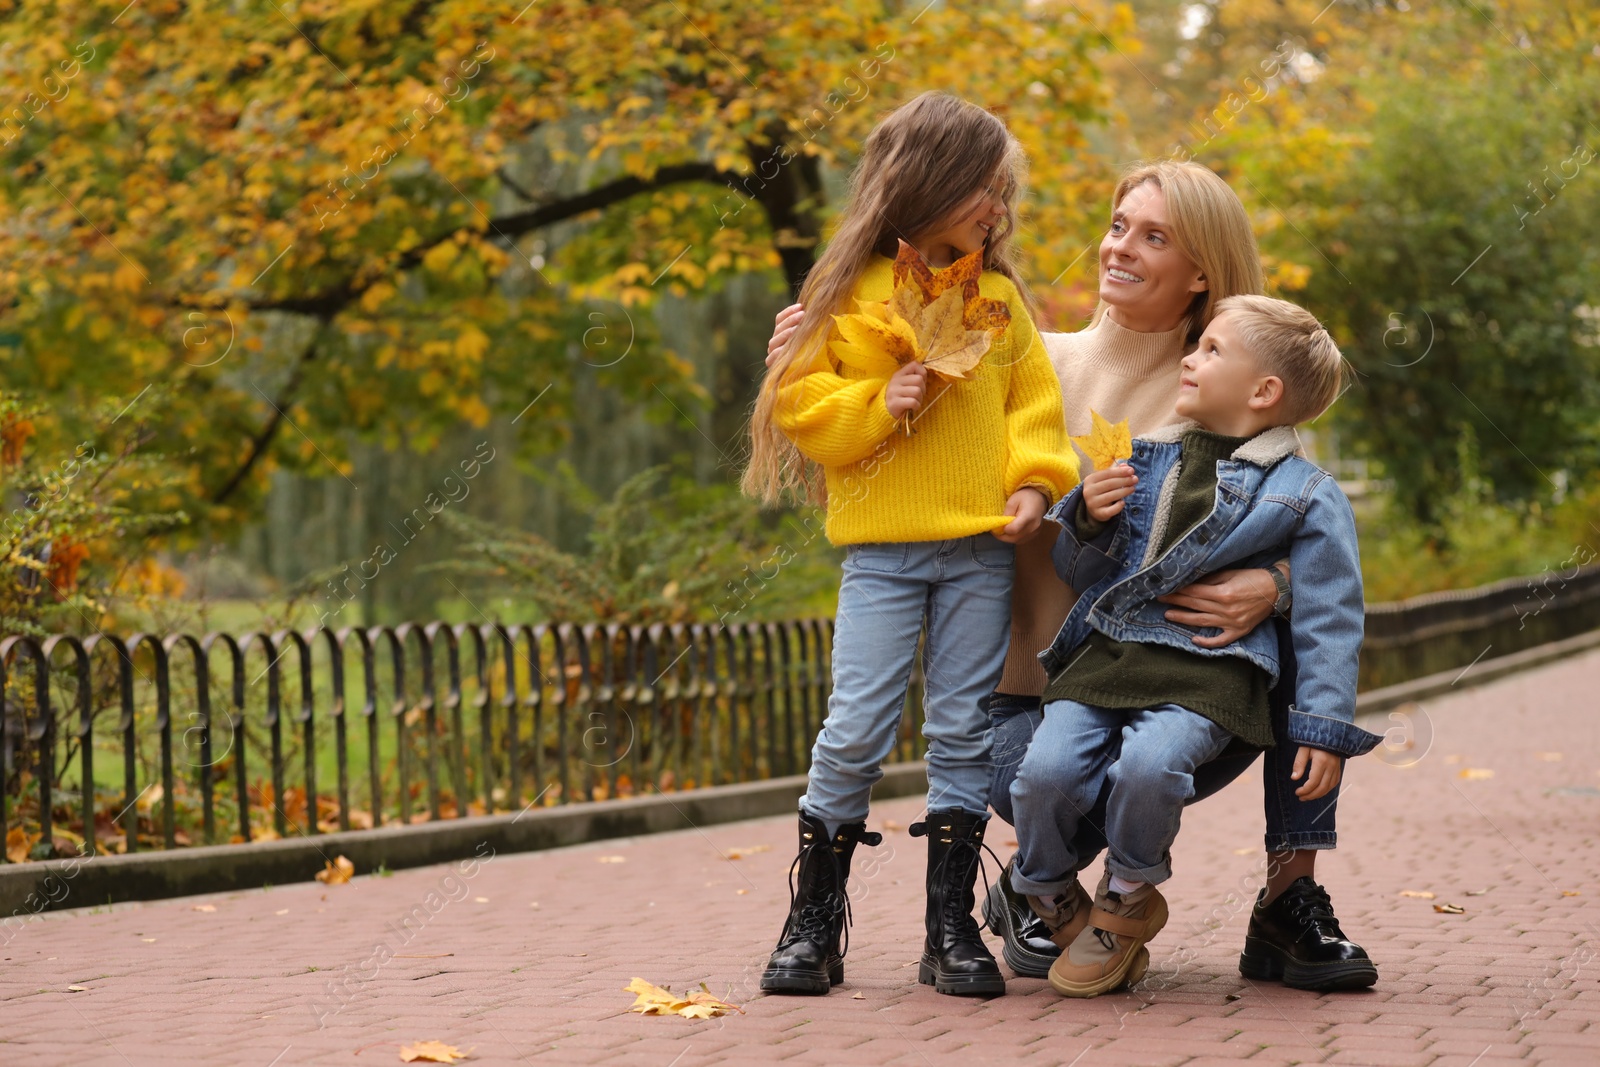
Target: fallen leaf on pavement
point(204, 907)
point(654, 1000)
point(337, 872)
point(1450, 909)
point(1571, 893)
point(1244, 851)
point(431, 1052)
point(147, 939)
point(1548, 757)
point(890, 826)
point(281, 911)
point(859, 996)
point(611, 859)
point(748, 850)
point(1420, 894)
point(1478, 892)
point(77, 988)
point(741, 892)
point(1476, 772)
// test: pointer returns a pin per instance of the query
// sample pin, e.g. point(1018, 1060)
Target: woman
point(1178, 243)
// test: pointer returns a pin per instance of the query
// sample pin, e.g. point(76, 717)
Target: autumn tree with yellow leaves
point(322, 221)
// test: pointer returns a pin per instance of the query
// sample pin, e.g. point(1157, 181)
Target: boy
point(1132, 703)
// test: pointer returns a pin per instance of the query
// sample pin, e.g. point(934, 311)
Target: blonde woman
point(1179, 242)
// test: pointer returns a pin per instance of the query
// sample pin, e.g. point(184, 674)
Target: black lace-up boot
point(809, 957)
point(954, 958)
point(1297, 940)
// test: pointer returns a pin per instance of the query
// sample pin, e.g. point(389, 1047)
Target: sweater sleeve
point(1036, 431)
point(834, 420)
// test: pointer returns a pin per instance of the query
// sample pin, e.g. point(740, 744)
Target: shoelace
point(954, 915)
point(1313, 905)
point(815, 921)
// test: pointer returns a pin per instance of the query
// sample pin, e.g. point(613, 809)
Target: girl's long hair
point(1209, 225)
point(921, 163)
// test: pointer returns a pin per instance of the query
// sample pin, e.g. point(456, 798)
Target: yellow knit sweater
point(973, 444)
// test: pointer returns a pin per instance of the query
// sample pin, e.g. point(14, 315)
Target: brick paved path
point(524, 958)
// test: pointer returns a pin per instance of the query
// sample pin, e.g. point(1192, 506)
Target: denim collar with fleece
point(1270, 502)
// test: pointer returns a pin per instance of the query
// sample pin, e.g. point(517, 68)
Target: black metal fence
point(151, 742)
point(114, 744)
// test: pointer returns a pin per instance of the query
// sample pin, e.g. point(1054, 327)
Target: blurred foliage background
point(357, 311)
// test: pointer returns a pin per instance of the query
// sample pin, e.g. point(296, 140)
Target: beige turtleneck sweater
point(1121, 374)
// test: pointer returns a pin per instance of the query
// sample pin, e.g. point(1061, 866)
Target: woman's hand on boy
point(906, 388)
point(1027, 507)
point(1320, 769)
point(1234, 602)
point(787, 322)
point(1104, 491)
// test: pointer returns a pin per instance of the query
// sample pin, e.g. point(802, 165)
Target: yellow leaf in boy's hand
point(1106, 442)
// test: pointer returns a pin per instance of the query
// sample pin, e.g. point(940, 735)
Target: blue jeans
point(1145, 756)
point(1292, 823)
point(961, 589)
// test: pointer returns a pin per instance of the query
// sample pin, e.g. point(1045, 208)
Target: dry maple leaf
point(654, 1000)
point(431, 1052)
point(19, 843)
point(1450, 909)
point(1106, 442)
point(937, 318)
point(337, 872)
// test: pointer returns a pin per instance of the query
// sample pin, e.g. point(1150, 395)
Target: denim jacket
point(1268, 499)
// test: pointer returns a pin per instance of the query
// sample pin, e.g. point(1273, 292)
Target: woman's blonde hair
point(1207, 224)
point(921, 163)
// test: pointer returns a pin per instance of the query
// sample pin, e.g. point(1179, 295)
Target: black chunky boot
point(954, 958)
point(809, 957)
point(1297, 941)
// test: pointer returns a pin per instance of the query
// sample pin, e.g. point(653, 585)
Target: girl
point(929, 518)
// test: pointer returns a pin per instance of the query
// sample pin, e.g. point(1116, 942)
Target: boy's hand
point(1323, 774)
point(906, 389)
point(1028, 505)
point(1103, 491)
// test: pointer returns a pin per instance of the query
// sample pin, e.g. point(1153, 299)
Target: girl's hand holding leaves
point(934, 318)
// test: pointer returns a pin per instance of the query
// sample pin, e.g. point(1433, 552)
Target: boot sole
point(1022, 960)
point(1266, 962)
point(960, 985)
point(784, 980)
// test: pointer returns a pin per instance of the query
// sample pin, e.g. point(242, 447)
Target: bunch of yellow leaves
point(653, 1000)
point(934, 317)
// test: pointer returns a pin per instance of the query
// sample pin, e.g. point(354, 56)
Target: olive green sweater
point(1228, 690)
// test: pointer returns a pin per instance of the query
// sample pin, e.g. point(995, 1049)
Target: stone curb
point(27, 888)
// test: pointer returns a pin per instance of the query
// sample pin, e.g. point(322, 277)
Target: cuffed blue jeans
point(961, 589)
point(1292, 823)
point(1145, 757)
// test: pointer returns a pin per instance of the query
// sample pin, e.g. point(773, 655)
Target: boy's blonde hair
point(1288, 341)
